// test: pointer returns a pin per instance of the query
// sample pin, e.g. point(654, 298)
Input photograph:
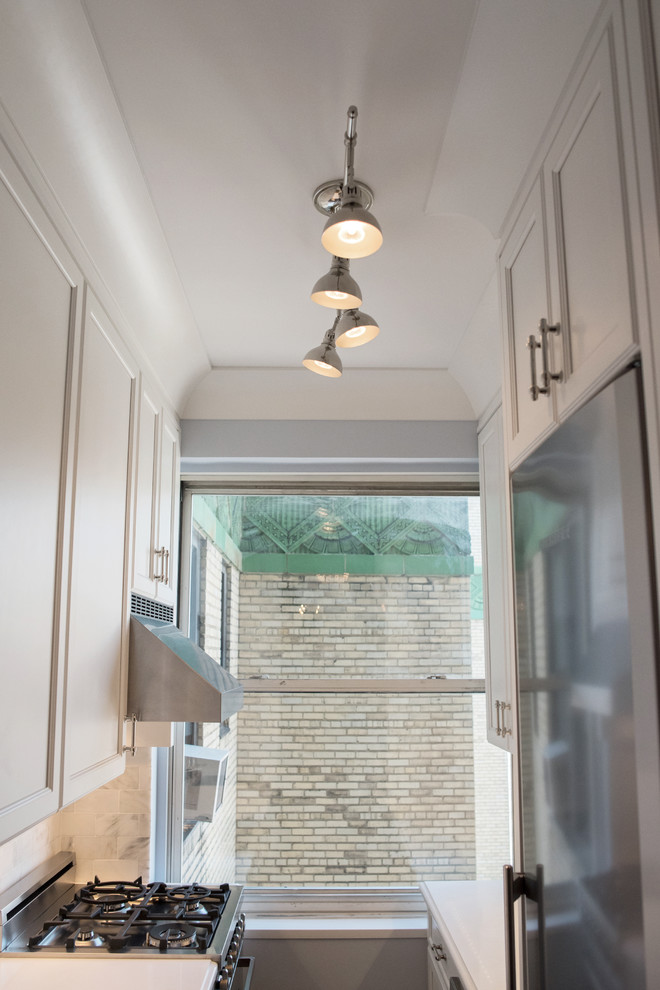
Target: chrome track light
point(356, 328)
point(324, 360)
point(337, 290)
point(351, 231)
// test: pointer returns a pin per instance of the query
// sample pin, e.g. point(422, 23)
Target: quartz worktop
point(37, 973)
point(470, 917)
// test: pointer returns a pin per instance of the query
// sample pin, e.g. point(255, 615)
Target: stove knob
point(225, 979)
point(230, 966)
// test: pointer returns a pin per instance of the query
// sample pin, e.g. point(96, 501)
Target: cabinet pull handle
point(166, 556)
point(547, 376)
point(133, 720)
point(505, 706)
point(534, 389)
point(160, 553)
point(439, 953)
point(497, 712)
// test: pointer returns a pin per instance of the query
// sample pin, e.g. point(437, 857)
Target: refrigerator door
point(579, 582)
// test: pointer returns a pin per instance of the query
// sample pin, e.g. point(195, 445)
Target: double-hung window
point(354, 621)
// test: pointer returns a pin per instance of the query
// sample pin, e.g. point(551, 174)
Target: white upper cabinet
point(525, 292)
point(168, 510)
point(40, 303)
point(156, 507)
point(95, 689)
point(584, 175)
point(497, 583)
point(565, 262)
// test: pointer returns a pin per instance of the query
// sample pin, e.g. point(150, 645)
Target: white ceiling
point(184, 141)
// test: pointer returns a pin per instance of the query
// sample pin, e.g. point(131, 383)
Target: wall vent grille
point(153, 610)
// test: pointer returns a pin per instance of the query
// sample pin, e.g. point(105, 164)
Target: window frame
point(169, 858)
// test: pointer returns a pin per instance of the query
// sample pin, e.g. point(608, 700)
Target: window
point(355, 624)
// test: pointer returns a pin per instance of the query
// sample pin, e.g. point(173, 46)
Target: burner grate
point(125, 916)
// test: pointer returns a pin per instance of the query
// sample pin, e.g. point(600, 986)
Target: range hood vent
point(170, 679)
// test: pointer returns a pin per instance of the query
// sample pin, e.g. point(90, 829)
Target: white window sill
point(335, 913)
point(341, 927)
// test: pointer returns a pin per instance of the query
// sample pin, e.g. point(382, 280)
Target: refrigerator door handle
point(521, 885)
point(509, 929)
point(540, 913)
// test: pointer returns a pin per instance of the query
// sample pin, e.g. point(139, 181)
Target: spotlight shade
point(356, 328)
point(324, 360)
point(336, 289)
point(352, 232)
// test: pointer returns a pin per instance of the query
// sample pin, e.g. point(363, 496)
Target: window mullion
point(363, 685)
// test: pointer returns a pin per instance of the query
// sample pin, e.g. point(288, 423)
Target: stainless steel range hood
point(170, 679)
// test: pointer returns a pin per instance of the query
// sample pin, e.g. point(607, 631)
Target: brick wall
point(334, 789)
point(354, 626)
point(339, 789)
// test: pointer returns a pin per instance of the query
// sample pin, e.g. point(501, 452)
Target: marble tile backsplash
point(109, 831)
point(29, 850)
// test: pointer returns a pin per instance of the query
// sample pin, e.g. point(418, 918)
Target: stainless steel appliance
point(47, 913)
point(587, 655)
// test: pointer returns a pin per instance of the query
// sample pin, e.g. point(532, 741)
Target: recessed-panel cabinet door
point(493, 482)
point(38, 299)
point(96, 658)
point(168, 516)
point(587, 223)
point(526, 300)
point(146, 508)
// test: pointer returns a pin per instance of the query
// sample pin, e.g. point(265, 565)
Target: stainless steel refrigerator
point(587, 655)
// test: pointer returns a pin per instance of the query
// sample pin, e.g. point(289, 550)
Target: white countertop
point(470, 916)
point(30, 973)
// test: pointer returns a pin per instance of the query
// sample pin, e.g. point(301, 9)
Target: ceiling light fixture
point(324, 360)
point(350, 232)
point(337, 289)
point(356, 328)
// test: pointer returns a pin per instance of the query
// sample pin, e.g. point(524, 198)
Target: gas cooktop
point(55, 915)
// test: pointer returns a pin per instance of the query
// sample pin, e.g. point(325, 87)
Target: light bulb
point(355, 332)
point(337, 295)
point(351, 232)
point(322, 364)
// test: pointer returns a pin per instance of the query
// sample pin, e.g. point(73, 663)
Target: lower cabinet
point(465, 934)
point(442, 971)
point(95, 686)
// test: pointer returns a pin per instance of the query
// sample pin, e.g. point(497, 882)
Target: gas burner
point(189, 895)
point(171, 935)
point(86, 935)
point(111, 896)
